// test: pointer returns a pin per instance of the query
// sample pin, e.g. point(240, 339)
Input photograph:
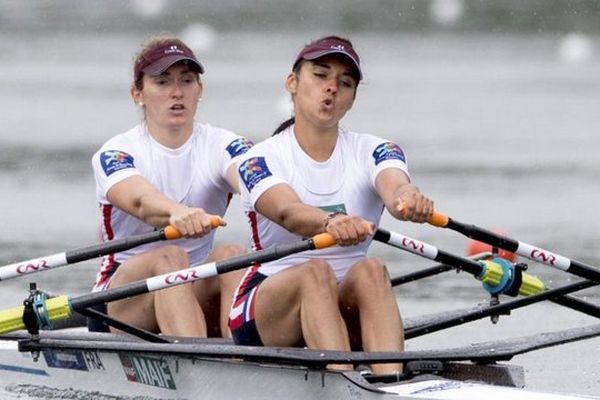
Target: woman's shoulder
point(221, 138)
point(359, 139)
point(273, 144)
point(123, 140)
point(215, 131)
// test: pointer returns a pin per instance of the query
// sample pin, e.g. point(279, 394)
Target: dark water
point(500, 130)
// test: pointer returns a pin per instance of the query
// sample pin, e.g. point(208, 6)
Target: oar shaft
point(498, 276)
point(496, 309)
point(61, 307)
point(202, 271)
point(428, 251)
point(77, 255)
point(92, 251)
point(523, 249)
point(114, 246)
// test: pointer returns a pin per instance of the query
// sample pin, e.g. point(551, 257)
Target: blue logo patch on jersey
point(388, 151)
point(239, 146)
point(254, 170)
point(115, 160)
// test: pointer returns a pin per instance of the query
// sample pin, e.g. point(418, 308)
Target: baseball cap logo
point(173, 49)
point(330, 45)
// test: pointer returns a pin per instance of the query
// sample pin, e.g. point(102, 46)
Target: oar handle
point(438, 219)
point(323, 240)
point(172, 233)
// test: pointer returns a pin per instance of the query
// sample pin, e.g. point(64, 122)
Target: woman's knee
point(371, 272)
point(318, 275)
point(169, 258)
point(225, 251)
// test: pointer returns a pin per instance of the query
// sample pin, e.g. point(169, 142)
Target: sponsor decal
point(388, 151)
point(65, 359)
point(147, 370)
point(32, 267)
point(548, 258)
point(334, 208)
point(93, 361)
point(413, 245)
point(182, 277)
point(239, 146)
point(82, 360)
point(115, 160)
point(253, 170)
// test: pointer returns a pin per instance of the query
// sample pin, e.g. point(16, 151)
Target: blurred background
point(496, 103)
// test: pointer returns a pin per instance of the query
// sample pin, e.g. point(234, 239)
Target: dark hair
point(290, 121)
point(284, 125)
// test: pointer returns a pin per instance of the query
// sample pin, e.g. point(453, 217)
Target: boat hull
point(104, 365)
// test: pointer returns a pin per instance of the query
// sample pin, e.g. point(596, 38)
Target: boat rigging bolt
point(30, 318)
point(494, 301)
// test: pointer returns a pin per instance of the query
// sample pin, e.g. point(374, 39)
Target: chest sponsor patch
point(115, 160)
point(334, 208)
point(254, 170)
point(239, 146)
point(388, 151)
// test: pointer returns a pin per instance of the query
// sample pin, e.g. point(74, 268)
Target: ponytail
point(284, 125)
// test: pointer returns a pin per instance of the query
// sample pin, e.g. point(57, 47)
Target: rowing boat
point(82, 362)
point(45, 363)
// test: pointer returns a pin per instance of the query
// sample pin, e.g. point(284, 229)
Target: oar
point(61, 307)
point(562, 299)
point(523, 249)
point(498, 275)
point(92, 251)
point(497, 309)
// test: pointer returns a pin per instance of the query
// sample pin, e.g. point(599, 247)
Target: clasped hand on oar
point(61, 307)
point(523, 249)
point(93, 251)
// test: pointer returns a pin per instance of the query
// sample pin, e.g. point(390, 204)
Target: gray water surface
point(498, 130)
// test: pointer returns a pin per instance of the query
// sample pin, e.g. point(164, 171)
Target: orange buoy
point(476, 247)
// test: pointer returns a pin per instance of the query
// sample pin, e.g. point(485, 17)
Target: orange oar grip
point(215, 221)
point(438, 219)
point(323, 240)
point(172, 233)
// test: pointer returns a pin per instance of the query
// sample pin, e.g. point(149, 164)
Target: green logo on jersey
point(334, 208)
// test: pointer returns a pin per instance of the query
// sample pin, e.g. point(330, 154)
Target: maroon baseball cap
point(161, 58)
point(330, 45)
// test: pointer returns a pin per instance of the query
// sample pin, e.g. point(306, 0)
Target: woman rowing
point(168, 170)
point(313, 176)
